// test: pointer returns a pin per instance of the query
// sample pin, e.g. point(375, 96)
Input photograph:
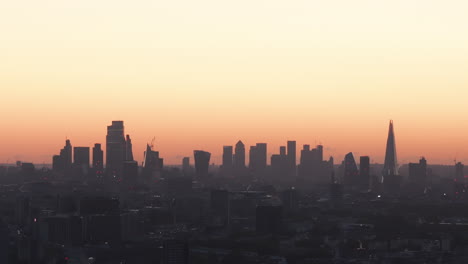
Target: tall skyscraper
point(98, 157)
point(66, 154)
point(390, 165)
point(239, 156)
point(459, 172)
point(81, 156)
point(128, 149)
point(63, 162)
point(115, 148)
point(262, 155)
point(418, 173)
point(186, 165)
point(202, 162)
point(227, 157)
point(351, 172)
point(152, 164)
point(364, 172)
point(391, 180)
point(292, 158)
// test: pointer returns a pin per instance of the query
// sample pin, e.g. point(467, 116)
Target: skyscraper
point(115, 148)
point(351, 172)
point(128, 149)
point(239, 156)
point(152, 164)
point(292, 158)
point(418, 173)
point(391, 180)
point(98, 157)
point(227, 157)
point(81, 156)
point(63, 162)
point(364, 172)
point(202, 162)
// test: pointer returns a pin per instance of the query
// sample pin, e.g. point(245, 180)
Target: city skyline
point(205, 74)
point(217, 158)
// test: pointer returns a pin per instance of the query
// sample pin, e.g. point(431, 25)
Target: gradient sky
point(203, 74)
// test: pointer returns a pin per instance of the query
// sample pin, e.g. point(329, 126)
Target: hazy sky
point(200, 74)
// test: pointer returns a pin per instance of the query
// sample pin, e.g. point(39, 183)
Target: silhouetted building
point(239, 156)
point(128, 149)
point(152, 165)
point(98, 157)
point(175, 252)
point(290, 199)
point(115, 148)
point(418, 174)
point(312, 167)
point(81, 156)
point(130, 173)
point(292, 158)
point(202, 162)
point(186, 165)
point(391, 179)
point(269, 219)
point(227, 157)
point(351, 172)
point(258, 158)
point(63, 162)
point(279, 164)
point(364, 172)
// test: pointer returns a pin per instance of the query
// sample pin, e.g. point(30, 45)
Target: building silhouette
point(418, 174)
point(459, 172)
point(115, 148)
point(364, 172)
point(98, 157)
point(63, 162)
point(292, 168)
point(186, 165)
point(81, 160)
point(280, 164)
point(351, 172)
point(258, 158)
point(239, 156)
point(390, 178)
point(202, 163)
point(152, 164)
point(128, 149)
point(227, 157)
point(312, 167)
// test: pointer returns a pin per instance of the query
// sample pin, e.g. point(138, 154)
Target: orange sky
point(203, 74)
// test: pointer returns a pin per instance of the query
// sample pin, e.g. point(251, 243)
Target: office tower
point(66, 154)
point(239, 156)
point(128, 149)
point(418, 173)
point(364, 172)
point(390, 165)
point(175, 252)
point(115, 148)
point(186, 165)
point(351, 172)
point(130, 173)
point(219, 201)
point(152, 164)
point(258, 157)
point(262, 155)
point(202, 162)
point(312, 167)
point(391, 180)
point(63, 162)
point(253, 156)
point(292, 158)
point(269, 219)
point(280, 165)
point(81, 156)
point(227, 157)
point(98, 157)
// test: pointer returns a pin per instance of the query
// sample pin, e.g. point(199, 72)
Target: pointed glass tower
point(390, 165)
